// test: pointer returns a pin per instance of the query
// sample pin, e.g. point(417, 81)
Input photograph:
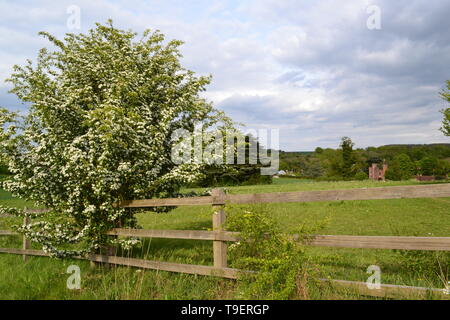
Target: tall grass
point(44, 278)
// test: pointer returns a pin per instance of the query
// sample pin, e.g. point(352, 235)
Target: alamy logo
point(374, 281)
point(374, 20)
point(74, 280)
point(74, 19)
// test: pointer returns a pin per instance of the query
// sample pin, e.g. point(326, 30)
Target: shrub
point(393, 173)
point(280, 263)
point(360, 176)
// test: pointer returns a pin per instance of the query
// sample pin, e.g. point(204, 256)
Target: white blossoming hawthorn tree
point(102, 110)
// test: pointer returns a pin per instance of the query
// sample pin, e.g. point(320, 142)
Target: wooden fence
point(220, 238)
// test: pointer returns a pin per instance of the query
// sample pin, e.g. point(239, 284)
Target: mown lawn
point(44, 278)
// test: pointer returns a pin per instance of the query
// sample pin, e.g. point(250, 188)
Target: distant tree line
point(347, 163)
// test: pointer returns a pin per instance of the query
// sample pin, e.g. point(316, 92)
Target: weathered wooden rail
point(398, 192)
point(220, 238)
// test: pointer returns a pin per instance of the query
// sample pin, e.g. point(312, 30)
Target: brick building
point(377, 173)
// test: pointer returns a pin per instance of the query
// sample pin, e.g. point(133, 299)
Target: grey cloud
point(311, 68)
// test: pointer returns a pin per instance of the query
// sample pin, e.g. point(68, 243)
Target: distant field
point(408, 217)
point(292, 184)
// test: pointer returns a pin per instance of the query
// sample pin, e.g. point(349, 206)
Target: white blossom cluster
point(103, 107)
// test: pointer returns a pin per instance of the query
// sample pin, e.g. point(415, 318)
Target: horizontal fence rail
point(382, 242)
point(188, 201)
point(337, 241)
point(168, 266)
point(388, 290)
point(177, 234)
point(8, 233)
point(28, 252)
point(229, 273)
point(220, 237)
point(39, 210)
point(398, 192)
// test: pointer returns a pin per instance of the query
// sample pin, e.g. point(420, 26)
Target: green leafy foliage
point(428, 166)
point(347, 157)
point(442, 169)
point(401, 168)
point(427, 265)
point(278, 261)
point(247, 173)
point(360, 176)
point(302, 165)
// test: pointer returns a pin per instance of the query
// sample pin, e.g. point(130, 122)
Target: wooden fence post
point(110, 251)
point(25, 242)
point(219, 247)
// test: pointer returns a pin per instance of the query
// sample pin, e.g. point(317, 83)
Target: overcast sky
point(312, 69)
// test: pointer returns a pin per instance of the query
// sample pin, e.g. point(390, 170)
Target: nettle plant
point(102, 110)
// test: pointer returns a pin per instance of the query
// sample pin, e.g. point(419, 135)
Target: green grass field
point(44, 278)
